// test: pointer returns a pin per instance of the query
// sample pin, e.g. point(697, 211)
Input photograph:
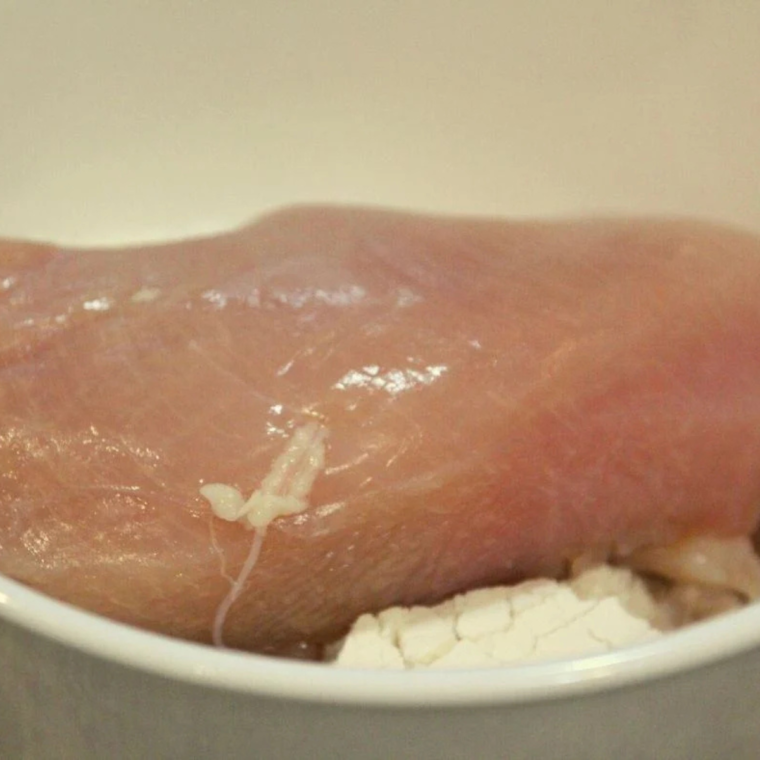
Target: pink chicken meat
point(497, 399)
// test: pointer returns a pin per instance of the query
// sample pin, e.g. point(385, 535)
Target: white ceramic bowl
point(136, 121)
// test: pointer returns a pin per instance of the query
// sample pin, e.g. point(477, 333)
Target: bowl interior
point(137, 122)
point(698, 645)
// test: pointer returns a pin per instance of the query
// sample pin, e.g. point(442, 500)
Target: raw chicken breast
point(499, 398)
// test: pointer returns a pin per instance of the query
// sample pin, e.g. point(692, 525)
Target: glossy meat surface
point(499, 398)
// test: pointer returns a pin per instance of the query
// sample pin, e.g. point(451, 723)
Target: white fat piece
point(731, 564)
point(284, 490)
point(226, 502)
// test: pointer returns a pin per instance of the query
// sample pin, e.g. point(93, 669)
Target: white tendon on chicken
point(284, 491)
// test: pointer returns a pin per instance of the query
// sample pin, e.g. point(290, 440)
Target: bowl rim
point(695, 646)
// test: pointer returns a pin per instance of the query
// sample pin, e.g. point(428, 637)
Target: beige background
point(144, 119)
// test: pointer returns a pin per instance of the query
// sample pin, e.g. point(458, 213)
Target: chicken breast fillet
point(498, 398)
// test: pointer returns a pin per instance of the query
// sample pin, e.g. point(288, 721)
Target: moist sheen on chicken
point(498, 399)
